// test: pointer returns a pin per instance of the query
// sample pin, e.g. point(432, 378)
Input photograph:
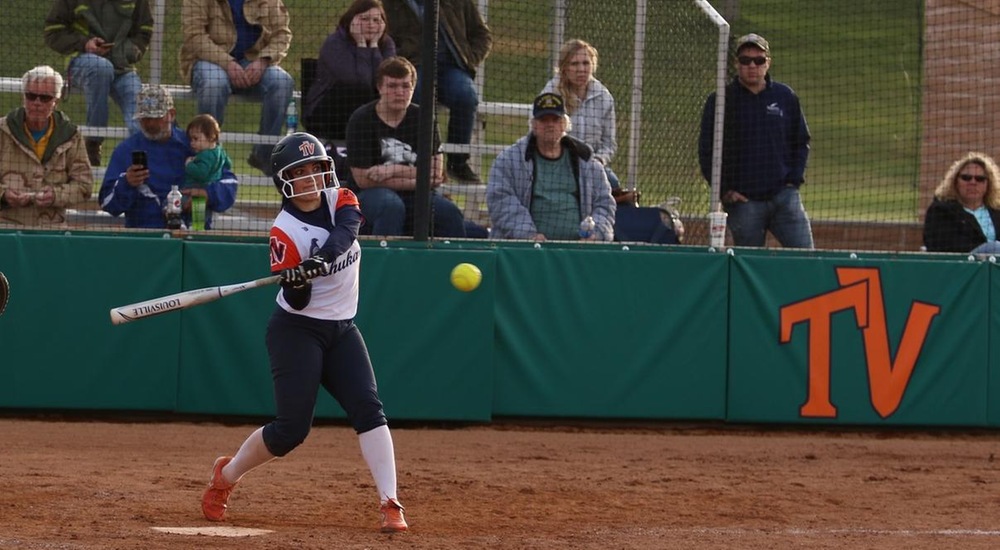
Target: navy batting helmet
point(297, 149)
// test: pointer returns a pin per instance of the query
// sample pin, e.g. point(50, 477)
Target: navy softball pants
point(308, 353)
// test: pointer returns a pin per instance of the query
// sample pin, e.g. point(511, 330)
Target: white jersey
point(335, 296)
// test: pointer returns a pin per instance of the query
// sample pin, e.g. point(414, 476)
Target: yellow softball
point(466, 277)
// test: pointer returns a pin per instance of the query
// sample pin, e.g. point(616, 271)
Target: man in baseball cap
point(764, 153)
point(548, 185)
point(139, 191)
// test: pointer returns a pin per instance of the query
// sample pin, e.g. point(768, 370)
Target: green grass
point(854, 63)
point(856, 67)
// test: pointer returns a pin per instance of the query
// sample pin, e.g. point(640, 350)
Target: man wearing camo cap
point(764, 152)
point(139, 192)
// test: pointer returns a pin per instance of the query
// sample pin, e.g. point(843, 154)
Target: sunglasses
point(44, 98)
point(970, 177)
point(746, 60)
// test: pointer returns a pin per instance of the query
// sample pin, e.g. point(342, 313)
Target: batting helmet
point(297, 149)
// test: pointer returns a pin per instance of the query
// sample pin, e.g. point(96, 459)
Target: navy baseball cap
point(548, 104)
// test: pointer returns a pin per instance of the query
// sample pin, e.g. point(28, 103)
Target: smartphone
point(139, 157)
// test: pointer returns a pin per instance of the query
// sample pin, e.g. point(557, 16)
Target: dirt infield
point(99, 484)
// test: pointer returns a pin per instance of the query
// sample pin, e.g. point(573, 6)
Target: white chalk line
point(214, 531)
point(845, 531)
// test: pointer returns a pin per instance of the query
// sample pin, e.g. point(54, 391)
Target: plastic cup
point(717, 229)
point(198, 213)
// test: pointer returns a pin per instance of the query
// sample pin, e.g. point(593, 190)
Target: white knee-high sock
point(376, 448)
point(252, 453)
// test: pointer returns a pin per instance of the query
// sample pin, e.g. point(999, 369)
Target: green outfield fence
point(893, 92)
point(556, 331)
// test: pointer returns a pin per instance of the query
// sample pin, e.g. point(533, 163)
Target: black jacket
point(949, 228)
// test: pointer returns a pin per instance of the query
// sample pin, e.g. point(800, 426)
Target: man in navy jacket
point(764, 152)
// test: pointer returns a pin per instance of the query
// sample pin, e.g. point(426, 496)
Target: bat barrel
point(174, 302)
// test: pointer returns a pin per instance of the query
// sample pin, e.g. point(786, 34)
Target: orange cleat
point(216, 498)
point(392, 517)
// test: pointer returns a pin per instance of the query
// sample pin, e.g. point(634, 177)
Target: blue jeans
point(457, 92)
point(991, 247)
point(95, 75)
point(782, 214)
point(210, 84)
point(387, 213)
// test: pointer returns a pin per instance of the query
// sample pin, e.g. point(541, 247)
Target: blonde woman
point(590, 106)
point(965, 214)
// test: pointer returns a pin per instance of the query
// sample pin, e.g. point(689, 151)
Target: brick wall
point(837, 235)
point(961, 86)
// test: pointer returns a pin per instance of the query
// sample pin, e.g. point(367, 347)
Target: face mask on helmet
point(301, 149)
point(324, 179)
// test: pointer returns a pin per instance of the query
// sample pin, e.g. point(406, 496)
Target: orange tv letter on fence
point(860, 290)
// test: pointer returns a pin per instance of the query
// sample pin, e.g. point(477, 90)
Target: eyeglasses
point(970, 177)
point(44, 98)
point(746, 60)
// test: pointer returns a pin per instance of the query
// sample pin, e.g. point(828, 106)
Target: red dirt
point(97, 484)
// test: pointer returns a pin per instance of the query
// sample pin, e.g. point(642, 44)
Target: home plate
point(221, 531)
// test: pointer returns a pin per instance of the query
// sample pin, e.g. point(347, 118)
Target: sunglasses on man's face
point(44, 98)
point(970, 177)
point(746, 60)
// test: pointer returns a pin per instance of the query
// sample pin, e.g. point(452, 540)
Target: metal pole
point(425, 148)
point(558, 30)
point(479, 131)
point(637, 73)
point(722, 59)
point(156, 45)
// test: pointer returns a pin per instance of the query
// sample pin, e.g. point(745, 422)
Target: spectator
point(345, 74)
point(589, 104)
point(206, 166)
point(591, 109)
point(44, 160)
point(104, 41)
point(543, 186)
point(764, 152)
point(237, 46)
point(140, 192)
point(965, 214)
point(382, 140)
point(464, 42)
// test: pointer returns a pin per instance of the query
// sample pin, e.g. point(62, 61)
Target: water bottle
point(587, 227)
point(172, 210)
point(292, 117)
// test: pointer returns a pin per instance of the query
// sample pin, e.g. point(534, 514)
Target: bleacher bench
point(13, 85)
point(243, 214)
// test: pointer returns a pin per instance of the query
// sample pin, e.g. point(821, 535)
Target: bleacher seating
point(243, 214)
point(13, 85)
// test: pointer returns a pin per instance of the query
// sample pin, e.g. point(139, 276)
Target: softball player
point(311, 336)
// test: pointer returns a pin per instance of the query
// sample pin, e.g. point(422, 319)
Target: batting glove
point(293, 277)
point(315, 266)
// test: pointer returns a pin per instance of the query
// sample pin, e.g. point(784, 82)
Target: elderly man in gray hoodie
point(548, 185)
